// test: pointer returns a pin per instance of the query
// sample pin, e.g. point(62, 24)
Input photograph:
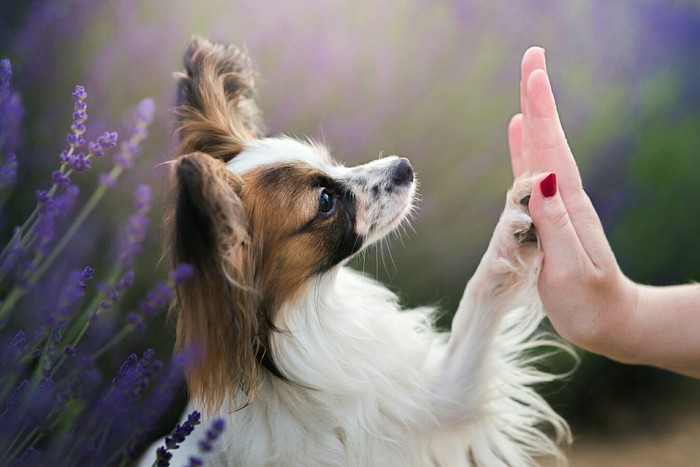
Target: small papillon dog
point(310, 362)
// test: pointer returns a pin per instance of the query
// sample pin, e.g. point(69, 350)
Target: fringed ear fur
point(217, 310)
point(217, 113)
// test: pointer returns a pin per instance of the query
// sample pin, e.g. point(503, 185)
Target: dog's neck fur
point(357, 369)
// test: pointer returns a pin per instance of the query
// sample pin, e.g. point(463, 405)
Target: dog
point(309, 361)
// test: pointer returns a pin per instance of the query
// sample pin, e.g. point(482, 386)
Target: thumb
point(559, 240)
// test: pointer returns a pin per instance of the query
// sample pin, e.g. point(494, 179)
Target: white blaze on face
point(382, 200)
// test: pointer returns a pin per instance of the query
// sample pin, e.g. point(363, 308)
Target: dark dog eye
point(326, 203)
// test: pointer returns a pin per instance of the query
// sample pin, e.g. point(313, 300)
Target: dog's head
point(259, 219)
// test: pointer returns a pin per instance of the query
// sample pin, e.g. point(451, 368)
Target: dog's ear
point(217, 311)
point(217, 113)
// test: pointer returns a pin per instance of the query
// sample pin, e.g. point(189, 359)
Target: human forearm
point(664, 329)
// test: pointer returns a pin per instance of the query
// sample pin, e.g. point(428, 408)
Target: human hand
point(587, 298)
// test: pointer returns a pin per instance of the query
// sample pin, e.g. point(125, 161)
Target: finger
point(568, 232)
point(550, 150)
point(515, 129)
point(560, 242)
point(533, 59)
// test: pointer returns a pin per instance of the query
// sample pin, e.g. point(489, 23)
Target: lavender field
point(86, 98)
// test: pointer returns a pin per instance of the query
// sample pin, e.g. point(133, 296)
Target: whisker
point(391, 257)
point(170, 162)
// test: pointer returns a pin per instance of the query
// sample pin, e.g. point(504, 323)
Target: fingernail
point(548, 185)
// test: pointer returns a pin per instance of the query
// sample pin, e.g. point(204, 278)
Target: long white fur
point(379, 386)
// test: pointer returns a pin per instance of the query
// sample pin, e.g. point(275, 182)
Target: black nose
point(403, 172)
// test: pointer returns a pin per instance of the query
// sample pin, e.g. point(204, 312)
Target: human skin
point(588, 299)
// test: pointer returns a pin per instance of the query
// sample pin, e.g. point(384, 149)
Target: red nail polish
point(548, 185)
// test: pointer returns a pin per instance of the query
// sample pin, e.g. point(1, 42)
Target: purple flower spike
point(17, 394)
point(136, 321)
point(86, 275)
point(182, 273)
point(79, 93)
point(128, 364)
point(105, 141)
point(78, 128)
point(194, 418)
point(213, 434)
point(130, 149)
point(145, 110)
point(181, 432)
point(11, 111)
point(8, 171)
point(60, 179)
point(51, 211)
point(142, 199)
point(136, 229)
point(79, 162)
point(156, 298)
point(125, 282)
point(5, 74)
point(16, 349)
point(163, 457)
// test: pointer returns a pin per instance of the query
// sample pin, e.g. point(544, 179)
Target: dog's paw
point(517, 202)
point(509, 269)
point(515, 246)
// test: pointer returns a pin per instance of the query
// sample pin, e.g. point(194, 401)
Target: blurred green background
point(435, 81)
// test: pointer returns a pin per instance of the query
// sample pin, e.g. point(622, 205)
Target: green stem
point(115, 340)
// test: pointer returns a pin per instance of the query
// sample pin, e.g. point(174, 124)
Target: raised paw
point(514, 246)
point(512, 261)
point(517, 203)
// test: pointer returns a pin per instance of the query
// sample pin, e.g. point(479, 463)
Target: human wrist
point(616, 333)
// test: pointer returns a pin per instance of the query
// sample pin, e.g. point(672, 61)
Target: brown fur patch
point(294, 244)
point(218, 308)
point(217, 113)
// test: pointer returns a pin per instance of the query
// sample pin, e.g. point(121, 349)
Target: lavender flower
point(212, 435)
point(8, 171)
point(5, 75)
point(126, 367)
point(51, 211)
point(17, 394)
point(178, 435)
point(50, 366)
point(182, 273)
point(159, 400)
point(133, 378)
point(156, 298)
point(136, 228)
point(182, 431)
point(130, 149)
point(205, 445)
point(15, 349)
point(76, 138)
point(103, 142)
point(11, 110)
point(163, 457)
point(70, 296)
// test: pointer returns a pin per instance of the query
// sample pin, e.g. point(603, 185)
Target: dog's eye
point(326, 203)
